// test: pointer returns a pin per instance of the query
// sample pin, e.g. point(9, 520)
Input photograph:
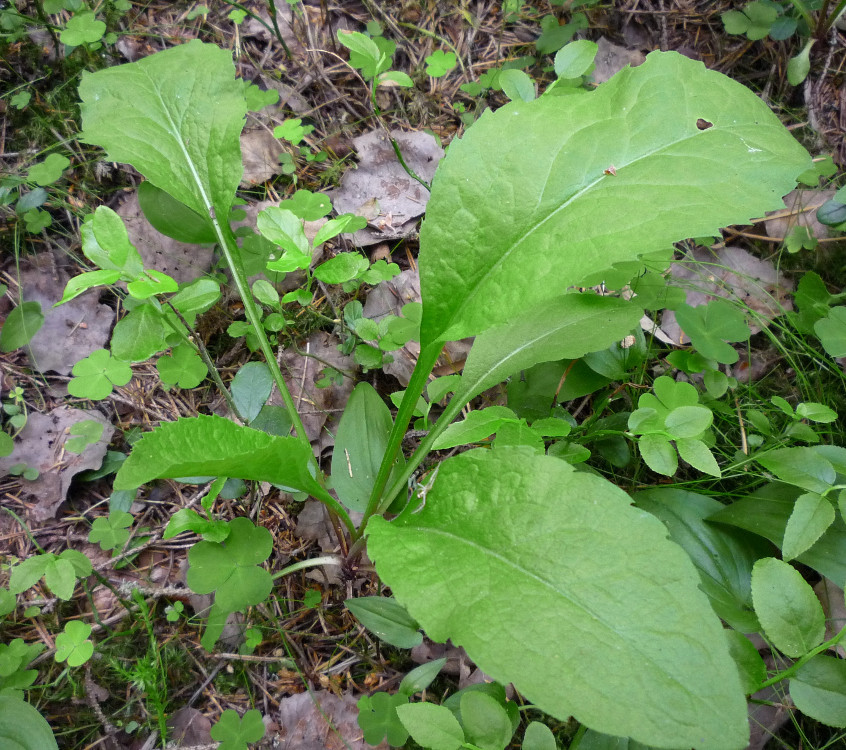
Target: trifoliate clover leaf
point(292, 130)
point(307, 205)
point(20, 100)
point(95, 375)
point(711, 326)
point(231, 569)
point(73, 645)
point(258, 99)
point(197, 11)
point(183, 367)
point(800, 238)
point(112, 532)
point(237, 16)
point(234, 732)
point(83, 28)
point(86, 432)
point(439, 63)
point(36, 220)
point(381, 270)
point(378, 720)
point(48, 171)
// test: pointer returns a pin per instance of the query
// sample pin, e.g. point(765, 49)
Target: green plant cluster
point(520, 548)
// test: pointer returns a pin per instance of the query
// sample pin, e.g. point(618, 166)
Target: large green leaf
point(723, 556)
point(176, 117)
point(553, 581)
point(503, 233)
point(213, 446)
point(22, 727)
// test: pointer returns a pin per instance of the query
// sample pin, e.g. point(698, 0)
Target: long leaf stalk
point(233, 260)
point(419, 377)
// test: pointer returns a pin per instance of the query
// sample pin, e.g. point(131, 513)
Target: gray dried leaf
point(71, 331)
point(800, 210)
point(381, 178)
point(331, 725)
point(319, 408)
point(41, 445)
point(731, 273)
point(612, 58)
point(180, 260)
point(260, 151)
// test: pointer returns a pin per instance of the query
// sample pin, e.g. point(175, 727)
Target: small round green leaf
point(819, 690)
point(431, 726)
point(787, 608)
point(387, 619)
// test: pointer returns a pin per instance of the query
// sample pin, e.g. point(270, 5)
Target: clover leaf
point(96, 374)
point(111, 532)
point(36, 220)
point(292, 130)
point(182, 367)
point(711, 326)
point(20, 100)
point(59, 572)
point(234, 732)
point(83, 28)
point(73, 645)
point(439, 63)
point(231, 569)
point(377, 718)
point(87, 432)
point(48, 171)
point(832, 331)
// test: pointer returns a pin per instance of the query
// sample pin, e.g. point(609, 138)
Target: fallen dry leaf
point(612, 58)
point(730, 273)
point(331, 725)
point(319, 408)
point(41, 445)
point(800, 209)
point(261, 152)
point(179, 260)
point(381, 178)
point(71, 331)
point(189, 727)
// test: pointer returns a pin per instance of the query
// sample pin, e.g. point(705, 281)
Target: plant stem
point(805, 13)
point(233, 260)
point(314, 562)
point(273, 30)
point(207, 360)
point(828, 21)
point(425, 362)
point(799, 663)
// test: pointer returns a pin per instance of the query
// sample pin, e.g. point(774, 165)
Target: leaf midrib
point(543, 581)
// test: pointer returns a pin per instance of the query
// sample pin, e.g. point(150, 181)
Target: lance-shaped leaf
point(213, 446)
point(567, 327)
point(359, 446)
point(176, 117)
point(661, 152)
point(550, 579)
